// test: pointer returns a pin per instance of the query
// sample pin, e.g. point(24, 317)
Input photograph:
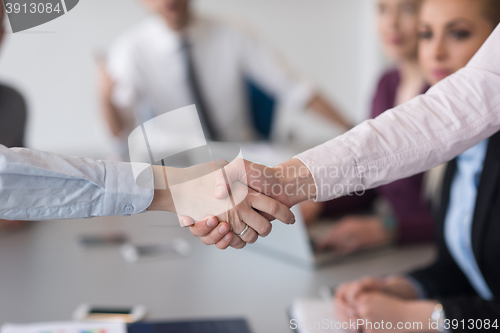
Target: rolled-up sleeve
point(454, 115)
point(36, 185)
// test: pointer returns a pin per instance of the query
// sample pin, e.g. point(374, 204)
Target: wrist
point(421, 312)
point(296, 181)
point(399, 286)
point(162, 198)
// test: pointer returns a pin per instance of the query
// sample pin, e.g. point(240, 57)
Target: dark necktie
point(199, 101)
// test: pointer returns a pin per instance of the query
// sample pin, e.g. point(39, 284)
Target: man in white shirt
point(176, 59)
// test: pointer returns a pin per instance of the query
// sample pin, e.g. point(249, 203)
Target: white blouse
point(454, 115)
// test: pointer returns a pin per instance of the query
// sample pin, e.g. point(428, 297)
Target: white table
point(44, 276)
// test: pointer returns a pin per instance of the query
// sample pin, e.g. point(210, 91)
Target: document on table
point(65, 327)
point(313, 316)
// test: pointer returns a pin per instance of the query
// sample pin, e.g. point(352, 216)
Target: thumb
point(224, 177)
point(221, 185)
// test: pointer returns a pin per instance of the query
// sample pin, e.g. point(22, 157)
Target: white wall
point(332, 42)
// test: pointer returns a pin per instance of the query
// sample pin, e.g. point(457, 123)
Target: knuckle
point(364, 301)
point(240, 245)
point(265, 229)
point(365, 311)
point(221, 246)
point(206, 241)
point(253, 239)
point(274, 207)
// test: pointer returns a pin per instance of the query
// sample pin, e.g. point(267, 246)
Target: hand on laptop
point(356, 232)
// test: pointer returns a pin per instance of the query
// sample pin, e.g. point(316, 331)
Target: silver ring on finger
point(244, 231)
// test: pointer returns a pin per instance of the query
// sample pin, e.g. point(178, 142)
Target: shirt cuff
point(333, 169)
point(122, 195)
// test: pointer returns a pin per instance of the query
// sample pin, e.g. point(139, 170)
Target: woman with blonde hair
point(460, 291)
point(407, 217)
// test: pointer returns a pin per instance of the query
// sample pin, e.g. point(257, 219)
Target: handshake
point(232, 204)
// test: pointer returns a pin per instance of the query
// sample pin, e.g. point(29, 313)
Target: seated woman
point(461, 290)
point(407, 217)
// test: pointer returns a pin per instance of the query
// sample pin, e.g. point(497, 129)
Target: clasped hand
point(391, 300)
point(232, 204)
point(224, 206)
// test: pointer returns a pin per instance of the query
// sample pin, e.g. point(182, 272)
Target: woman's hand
point(211, 232)
point(348, 292)
point(397, 315)
point(256, 211)
point(190, 193)
point(358, 299)
point(290, 182)
point(395, 285)
point(399, 286)
point(346, 295)
point(353, 233)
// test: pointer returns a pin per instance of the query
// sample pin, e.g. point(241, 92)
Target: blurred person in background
point(463, 284)
point(12, 120)
point(177, 58)
point(397, 212)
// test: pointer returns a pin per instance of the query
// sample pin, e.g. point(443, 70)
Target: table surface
point(44, 275)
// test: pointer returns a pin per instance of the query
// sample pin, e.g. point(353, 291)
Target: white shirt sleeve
point(273, 75)
point(122, 68)
point(454, 115)
point(36, 185)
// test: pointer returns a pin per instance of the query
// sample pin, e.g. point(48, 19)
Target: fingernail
point(292, 221)
point(227, 238)
point(223, 229)
point(211, 222)
point(186, 223)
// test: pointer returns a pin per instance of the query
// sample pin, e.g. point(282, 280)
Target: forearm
point(419, 315)
point(454, 115)
point(296, 181)
point(323, 108)
point(162, 199)
point(412, 138)
point(399, 286)
point(37, 185)
point(113, 118)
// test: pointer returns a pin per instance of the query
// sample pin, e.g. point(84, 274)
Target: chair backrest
point(262, 107)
